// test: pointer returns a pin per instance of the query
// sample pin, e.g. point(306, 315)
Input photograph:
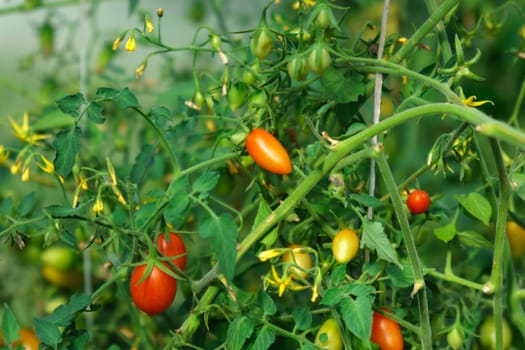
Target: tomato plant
point(487, 333)
point(418, 201)
point(153, 293)
point(386, 333)
point(328, 336)
point(172, 245)
point(268, 152)
point(345, 245)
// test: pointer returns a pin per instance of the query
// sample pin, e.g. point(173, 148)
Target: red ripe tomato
point(156, 293)
point(386, 333)
point(175, 247)
point(418, 202)
point(268, 152)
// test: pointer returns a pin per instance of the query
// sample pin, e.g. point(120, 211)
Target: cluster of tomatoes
point(152, 288)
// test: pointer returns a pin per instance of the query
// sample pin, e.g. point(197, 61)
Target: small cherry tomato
point(268, 152)
point(516, 237)
point(345, 245)
point(298, 68)
point(261, 43)
point(28, 340)
point(299, 262)
point(328, 337)
point(386, 333)
point(418, 201)
point(324, 16)
point(319, 58)
point(175, 247)
point(156, 293)
point(487, 334)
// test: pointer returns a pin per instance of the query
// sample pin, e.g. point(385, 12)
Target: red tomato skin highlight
point(156, 293)
point(174, 247)
point(386, 333)
point(418, 202)
point(268, 152)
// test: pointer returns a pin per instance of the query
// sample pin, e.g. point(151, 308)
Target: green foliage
point(105, 170)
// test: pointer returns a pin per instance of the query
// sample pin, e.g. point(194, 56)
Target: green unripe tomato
point(261, 43)
point(323, 18)
point(487, 334)
point(297, 68)
point(455, 338)
point(319, 59)
point(215, 41)
point(237, 95)
point(60, 257)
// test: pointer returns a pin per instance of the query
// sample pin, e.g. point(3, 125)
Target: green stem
point(450, 277)
point(163, 140)
point(486, 124)
point(513, 120)
point(432, 21)
point(408, 238)
point(441, 32)
point(496, 278)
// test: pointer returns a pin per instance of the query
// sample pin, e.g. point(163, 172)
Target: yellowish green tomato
point(345, 245)
point(328, 337)
point(487, 334)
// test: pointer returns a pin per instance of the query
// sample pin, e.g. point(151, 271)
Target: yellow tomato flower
point(470, 102)
point(98, 206)
point(25, 174)
point(46, 165)
point(270, 254)
point(116, 43)
point(149, 25)
point(4, 155)
point(131, 44)
point(23, 133)
point(140, 70)
point(306, 4)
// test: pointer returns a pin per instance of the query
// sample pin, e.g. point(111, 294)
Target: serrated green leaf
point(264, 339)
point(302, 317)
point(126, 98)
point(359, 289)
point(342, 89)
point(10, 327)
point(357, 315)
point(160, 115)
point(477, 206)
point(47, 332)
point(263, 212)
point(106, 93)
point(238, 332)
point(366, 200)
point(338, 275)
point(63, 315)
point(177, 209)
point(205, 183)
point(59, 211)
point(67, 145)
point(71, 104)
point(401, 278)
point(267, 303)
point(26, 204)
point(445, 233)
point(222, 232)
point(94, 113)
point(142, 163)
point(473, 239)
point(375, 238)
point(332, 296)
